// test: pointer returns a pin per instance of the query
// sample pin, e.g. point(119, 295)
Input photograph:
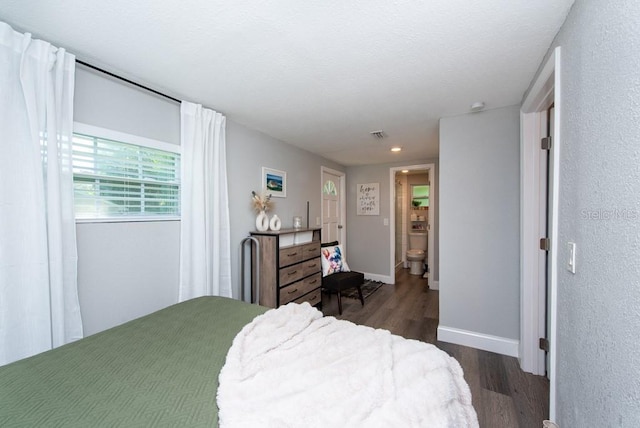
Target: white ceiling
point(319, 75)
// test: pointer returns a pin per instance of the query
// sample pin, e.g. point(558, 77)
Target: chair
point(338, 282)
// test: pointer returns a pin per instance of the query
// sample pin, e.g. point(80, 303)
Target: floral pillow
point(333, 260)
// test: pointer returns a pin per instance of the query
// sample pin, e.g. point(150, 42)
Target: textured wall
point(479, 222)
point(598, 377)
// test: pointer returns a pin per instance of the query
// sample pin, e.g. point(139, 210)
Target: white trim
point(435, 285)
point(486, 342)
point(130, 219)
point(376, 277)
point(545, 90)
point(110, 134)
point(430, 167)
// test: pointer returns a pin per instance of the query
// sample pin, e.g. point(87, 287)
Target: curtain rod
point(128, 81)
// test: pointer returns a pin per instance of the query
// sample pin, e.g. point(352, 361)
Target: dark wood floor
point(503, 395)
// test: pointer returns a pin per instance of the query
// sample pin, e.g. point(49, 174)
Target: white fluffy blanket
point(292, 367)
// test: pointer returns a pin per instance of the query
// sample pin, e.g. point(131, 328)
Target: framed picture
point(274, 182)
point(368, 199)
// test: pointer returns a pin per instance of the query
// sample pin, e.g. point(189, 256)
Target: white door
point(333, 213)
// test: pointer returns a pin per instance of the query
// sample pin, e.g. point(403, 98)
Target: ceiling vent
point(378, 134)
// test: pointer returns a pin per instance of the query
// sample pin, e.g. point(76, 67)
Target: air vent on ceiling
point(378, 134)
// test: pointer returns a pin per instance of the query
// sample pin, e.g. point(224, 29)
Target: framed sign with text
point(368, 199)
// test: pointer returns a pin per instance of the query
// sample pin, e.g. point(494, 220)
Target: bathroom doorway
point(413, 214)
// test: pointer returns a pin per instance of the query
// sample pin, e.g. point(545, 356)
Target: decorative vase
point(275, 223)
point(262, 222)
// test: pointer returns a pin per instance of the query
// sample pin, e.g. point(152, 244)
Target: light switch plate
point(571, 265)
point(385, 222)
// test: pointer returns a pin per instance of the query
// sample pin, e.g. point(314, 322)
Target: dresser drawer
point(312, 298)
point(291, 274)
point(300, 288)
point(310, 250)
point(291, 255)
point(311, 266)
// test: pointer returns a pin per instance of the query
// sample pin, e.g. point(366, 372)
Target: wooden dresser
point(289, 266)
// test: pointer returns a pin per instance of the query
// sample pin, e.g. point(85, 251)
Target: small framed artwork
point(274, 182)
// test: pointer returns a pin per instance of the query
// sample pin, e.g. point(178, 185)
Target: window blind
point(114, 179)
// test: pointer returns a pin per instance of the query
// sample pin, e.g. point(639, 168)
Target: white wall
point(368, 239)
point(598, 372)
point(479, 226)
point(129, 269)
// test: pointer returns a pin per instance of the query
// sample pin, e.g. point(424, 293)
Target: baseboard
point(435, 285)
point(486, 342)
point(375, 277)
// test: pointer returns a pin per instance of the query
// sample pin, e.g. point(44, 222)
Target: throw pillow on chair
point(336, 275)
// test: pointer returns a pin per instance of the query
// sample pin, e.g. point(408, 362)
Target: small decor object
point(368, 199)
point(275, 223)
point(297, 222)
point(261, 203)
point(262, 222)
point(333, 260)
point(275, 182)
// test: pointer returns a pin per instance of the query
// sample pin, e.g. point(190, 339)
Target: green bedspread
point(158, 370)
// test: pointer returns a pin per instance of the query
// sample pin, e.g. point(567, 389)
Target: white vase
point(275, 223)
point(262, 222)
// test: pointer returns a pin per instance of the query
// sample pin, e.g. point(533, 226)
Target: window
point(113, 179)
point(419, 196)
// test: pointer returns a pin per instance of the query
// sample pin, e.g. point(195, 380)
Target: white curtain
point(39, 306)
point(205, 253)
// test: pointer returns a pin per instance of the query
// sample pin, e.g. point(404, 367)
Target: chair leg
point(360, 294)
point(339, 303)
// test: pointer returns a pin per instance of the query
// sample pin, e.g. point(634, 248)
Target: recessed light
point(404, 171)
point(477, 106)
point(396, 149)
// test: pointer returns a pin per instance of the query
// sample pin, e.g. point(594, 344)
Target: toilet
point(417, 252)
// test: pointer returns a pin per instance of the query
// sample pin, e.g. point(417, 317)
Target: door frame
point(546, 90)
point(430, 167)
point(342, 234)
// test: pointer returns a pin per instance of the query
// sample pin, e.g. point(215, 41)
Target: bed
point(163, 370)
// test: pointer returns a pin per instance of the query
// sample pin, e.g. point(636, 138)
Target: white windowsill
point(126, 219)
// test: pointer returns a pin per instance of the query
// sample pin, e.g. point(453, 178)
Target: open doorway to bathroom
point(412, 225)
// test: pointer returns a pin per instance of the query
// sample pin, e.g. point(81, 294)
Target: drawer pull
point(292, 291)
point(292, 273)
point(292, 254)
point(312, 265)
point(313, 282)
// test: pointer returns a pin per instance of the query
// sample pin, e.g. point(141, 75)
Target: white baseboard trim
point(375, 277)
point(486, 342)
point(435, 285)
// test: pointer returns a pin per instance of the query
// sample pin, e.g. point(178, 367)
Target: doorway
point(333, 206)
point(402, 214)
point(536, 304)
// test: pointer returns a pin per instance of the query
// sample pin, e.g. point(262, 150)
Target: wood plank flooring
point(503, 395)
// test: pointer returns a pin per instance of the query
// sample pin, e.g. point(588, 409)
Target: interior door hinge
point(545, 244)
point(544, 344)
point(546, 143)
